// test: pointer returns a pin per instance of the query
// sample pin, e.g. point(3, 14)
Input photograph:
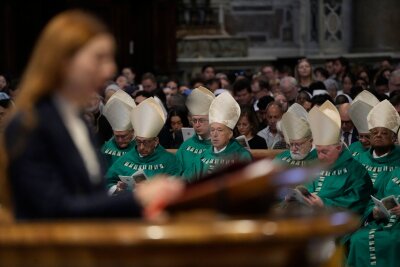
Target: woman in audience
point(304, 73)
point(53, 168)
point(348, 82)
point(171, 136)
point(248, 126)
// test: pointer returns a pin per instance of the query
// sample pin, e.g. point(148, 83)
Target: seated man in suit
point(198, 103)
point(225, 150)
point(358, 112)
point(349, 132)
point(346, 183)
point(117, 111)
point(148, 156)
point(296, 130)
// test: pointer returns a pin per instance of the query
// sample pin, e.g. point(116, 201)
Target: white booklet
point(135, 178)
point(385, 204)
point(187, 133)
point(243, 141)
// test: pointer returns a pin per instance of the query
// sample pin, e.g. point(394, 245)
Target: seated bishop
point(345, 183)
point(297, 133)
point(117, 111)
point(198, 104)
point(148, 156)
point(224, 150)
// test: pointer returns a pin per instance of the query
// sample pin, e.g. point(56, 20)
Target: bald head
point(347, 124)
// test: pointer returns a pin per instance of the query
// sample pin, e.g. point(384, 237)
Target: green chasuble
point(346, 184)
point(112, 152)
point(378, 242)
point(356, 148)
point(160, 162)
point(190, 149)
point(379, 168)
point(209, 161)
point(286, 159)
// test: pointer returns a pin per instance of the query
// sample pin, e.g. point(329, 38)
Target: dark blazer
point(48, 177)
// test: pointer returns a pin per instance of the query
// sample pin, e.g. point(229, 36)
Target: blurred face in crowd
point(300, 148)
point(123, 138)
point(244, 127)
point(268, 72)
point(382, 138)
point(362, 83)
point(364, 139)
point(146, 146)
point(304, 69)
point(88, 70)
point(329, 154)
point(176, 123)
point(382, 89)
point(149, 85)
point(130, 76)
point(93, 104)
point(329, 67)
point(201, 125)
point(244, 97)
point(168, 92)
point(208, 73)
point(319, 76)
point(173, 86)
point(289, 90)
point(273, 115)
point(3, 82)
point(220, 135)
point(280, 98)
point(346, 123)
point(347, 85)
point(394, 83)
point(337, 67)
point(122, 82)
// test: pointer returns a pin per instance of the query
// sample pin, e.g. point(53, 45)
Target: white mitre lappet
point(199, 101)
point(118, 109)
point(225, 110)
point(148, 118)
point(294, 123)
point(384, 115)
point(325, 124)
point(360, 108)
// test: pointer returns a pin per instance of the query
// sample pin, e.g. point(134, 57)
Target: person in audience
point(332, 87)
point(149, 82)
point(130, 75)
point(349, 133)
point(243, 93)
point(225, 150)
point(348, 81)
point(6, 105)
point(268, 71)
point(383, 156)
point(173, 85)
point(358, 113)
point(382, 86)
point(148, 156)
point(340, 67)
point(346, 183)
point(394, 81)
point(304, 99)
point(270, 133)
point(342, 99)
point(281, 99)
point(176, 120)
point(61, 175)
point(297, 133)
point(198, 104)
point(207, 72)
point(304, 74)
point(109, 91)
point(140, 96)
point(321, 74)
point(289, 87)
point(248, 127)
point(117, 111)
point(329, 67)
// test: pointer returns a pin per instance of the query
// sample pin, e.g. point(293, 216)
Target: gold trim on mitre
point(294, 123)
point(358, 113)
point(147, 118)
point(367, 97)
point(325, 124)
point(225, 110)
point(384, 115)
point(199, 101)
point(124, 97)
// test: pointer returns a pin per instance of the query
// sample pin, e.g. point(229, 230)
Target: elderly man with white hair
point(289, 87)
